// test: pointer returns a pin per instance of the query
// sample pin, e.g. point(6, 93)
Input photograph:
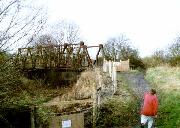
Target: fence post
point(32, 117)
point(114, 78)
point(96, 94)
point(104, 66)
point(94, 106)
point(110, 68)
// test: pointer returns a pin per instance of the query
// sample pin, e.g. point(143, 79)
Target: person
point(149, 109)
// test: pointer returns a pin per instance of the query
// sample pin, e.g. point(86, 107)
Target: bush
point(175, 61)
point(9, 78)
point(137, 63)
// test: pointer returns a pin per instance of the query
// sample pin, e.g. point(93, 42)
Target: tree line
point(169, 56)
point(120, 48)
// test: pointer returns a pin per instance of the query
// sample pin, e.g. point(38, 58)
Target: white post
point(110, 68)
point(114, 78)
point(104, 66)
point(113, 64)
point(120, 66)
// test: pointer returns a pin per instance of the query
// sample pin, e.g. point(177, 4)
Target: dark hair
point(153, 91)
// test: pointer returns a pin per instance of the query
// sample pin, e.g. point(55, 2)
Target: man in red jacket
point(149, 109)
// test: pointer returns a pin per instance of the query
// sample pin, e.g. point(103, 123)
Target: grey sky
point(149, 24)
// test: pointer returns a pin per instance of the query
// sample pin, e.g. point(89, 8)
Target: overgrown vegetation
point(121, 110)
point(167, 82)
point(20, 93)
point(115, 113)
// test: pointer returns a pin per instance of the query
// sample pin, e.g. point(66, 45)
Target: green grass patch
point(167, 82)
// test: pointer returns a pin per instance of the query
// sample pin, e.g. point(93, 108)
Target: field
point(167, 82)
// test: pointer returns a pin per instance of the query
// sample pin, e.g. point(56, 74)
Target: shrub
point(9, 79)
point(137, 63)
point(175, 61)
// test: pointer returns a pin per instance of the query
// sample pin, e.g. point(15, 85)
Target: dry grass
point(84, 87)
point(165, 78)
point(78, 97)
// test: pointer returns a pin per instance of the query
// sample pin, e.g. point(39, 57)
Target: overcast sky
point(149, 24)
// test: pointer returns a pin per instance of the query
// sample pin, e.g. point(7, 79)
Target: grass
point(167, 82)
point(121, 110)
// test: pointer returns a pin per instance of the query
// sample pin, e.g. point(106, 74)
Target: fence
point(112, 68)
point(123, 66)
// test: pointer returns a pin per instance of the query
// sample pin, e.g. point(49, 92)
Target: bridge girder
point(65, 57)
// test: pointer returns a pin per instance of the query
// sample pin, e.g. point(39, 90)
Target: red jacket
point(150, 105)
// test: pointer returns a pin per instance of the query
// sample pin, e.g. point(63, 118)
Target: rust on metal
point(66, 56)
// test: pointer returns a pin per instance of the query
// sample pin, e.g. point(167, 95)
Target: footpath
point(136, 86)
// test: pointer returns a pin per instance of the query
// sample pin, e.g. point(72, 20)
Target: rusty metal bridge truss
point(62, 57)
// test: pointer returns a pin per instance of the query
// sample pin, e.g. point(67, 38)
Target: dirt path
point(137, 86)
point(137, 83)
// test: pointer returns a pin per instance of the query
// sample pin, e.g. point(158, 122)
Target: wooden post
point(94, 104)
point(96, 95)
point(32, 117)
point(99, 88)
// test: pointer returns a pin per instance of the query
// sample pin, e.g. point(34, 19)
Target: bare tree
point(174, 49)
point(119, 48)
point(18, 20)
point(64, 32)
point(57, 33)
point(45, 39)
point(174, 52)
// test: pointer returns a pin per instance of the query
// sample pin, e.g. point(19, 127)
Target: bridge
point(64, 60)
point(59, 57)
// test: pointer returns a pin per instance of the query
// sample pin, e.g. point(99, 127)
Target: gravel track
point(137, 83)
